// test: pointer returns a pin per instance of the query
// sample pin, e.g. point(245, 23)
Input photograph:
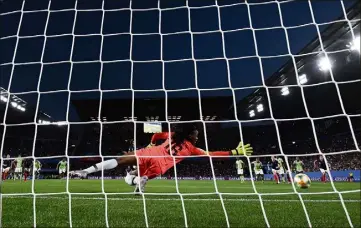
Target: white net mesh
point(161, 23)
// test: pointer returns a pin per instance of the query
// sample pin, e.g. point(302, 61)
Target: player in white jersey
point(281, 170)
point(18, 173)
point(240, 169)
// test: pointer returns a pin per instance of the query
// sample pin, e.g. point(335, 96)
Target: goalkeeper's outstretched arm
point(241, 149)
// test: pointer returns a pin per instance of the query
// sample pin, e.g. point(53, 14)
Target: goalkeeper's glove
point(242, 149)
point(150, 145)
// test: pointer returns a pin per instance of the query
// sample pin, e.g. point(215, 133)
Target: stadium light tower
point(285, 91)
point(303, 79)
point(251, 113)
point(260, 108)
point(324, 64)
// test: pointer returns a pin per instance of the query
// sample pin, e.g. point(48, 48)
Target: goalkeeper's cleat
point(243, 149)
point(136, 191)
point(79, 173)
point(140, 184)
point(143, 182)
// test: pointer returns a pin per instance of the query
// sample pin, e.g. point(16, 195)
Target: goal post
point(103, 13)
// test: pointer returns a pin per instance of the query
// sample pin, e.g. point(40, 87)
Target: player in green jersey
point(37, 168)
point(298, 164)
point(281, 170)
point(258, 170)
point(240, 167)
point(62, 167)
point(18, 173)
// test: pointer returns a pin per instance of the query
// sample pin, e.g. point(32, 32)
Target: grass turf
point(201, 210)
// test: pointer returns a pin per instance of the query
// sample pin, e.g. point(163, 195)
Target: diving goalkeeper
point(156, 160)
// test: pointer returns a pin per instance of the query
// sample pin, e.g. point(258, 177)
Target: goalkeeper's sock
point(105, 165)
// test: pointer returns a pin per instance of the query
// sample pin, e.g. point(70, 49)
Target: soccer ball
point(302, 180)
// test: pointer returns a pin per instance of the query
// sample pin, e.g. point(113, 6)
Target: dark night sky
point(243, 72)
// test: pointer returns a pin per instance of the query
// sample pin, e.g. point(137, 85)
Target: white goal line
point(185, 199)
point(72, 194)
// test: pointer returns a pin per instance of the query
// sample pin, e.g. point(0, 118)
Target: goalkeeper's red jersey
point(159, 158)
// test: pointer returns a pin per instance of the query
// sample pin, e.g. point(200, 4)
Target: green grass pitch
point(202, 210)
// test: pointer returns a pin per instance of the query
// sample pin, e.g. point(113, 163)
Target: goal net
point(83, 81)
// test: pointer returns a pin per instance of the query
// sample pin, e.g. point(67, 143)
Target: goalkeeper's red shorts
point(148, 166)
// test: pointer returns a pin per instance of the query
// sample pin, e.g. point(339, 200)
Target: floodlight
point(260, 108)
point(324, 64)
point(3, 98)
point(303, 79)
point(251, 113)
point(14, 104)
point(285, 91)
point(355, 44)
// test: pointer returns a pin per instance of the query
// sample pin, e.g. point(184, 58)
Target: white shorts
point(259, 172)
point(323, 171)
point(274, 171)
point(62, 171)
point(240, 171)
point(281, 171)
point(37, 170)
point(18, 170)
point(6, 170)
